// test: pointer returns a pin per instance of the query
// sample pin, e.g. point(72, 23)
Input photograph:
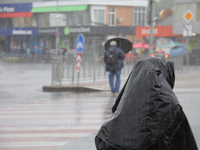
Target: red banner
point(15, 14)
point(159, 31)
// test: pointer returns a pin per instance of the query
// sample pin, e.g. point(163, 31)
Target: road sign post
point(78, 62)
point(151, 38)
point(187, 16)
point(79, 47)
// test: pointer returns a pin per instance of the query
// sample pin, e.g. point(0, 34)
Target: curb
point(71, 89)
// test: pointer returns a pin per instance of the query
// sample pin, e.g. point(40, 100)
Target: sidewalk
point(185, 83)
point(84, 86)
point(189, 81)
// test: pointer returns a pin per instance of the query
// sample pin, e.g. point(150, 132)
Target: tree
point(163, 4)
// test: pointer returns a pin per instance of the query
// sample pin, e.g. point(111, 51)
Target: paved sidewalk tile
point(86, 143)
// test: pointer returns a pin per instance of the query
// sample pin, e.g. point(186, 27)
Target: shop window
point(112, 16)
point(24, 43)
point(98, 15)
point(77, 18)
point(22, 22)
point(43, 19)
point(87, 18)
point(139, 16)
point(71, 19)
point(34, 21)
point(80, 18)
point(5, 22)
point(15, 22)
point(28, 21)
point(15, 44)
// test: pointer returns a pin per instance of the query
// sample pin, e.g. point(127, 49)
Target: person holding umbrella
point(113, 58)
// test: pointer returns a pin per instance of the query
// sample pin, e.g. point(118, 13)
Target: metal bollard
point(99, 69)
point(67, 70)
point(72, 73)
point(94, 70)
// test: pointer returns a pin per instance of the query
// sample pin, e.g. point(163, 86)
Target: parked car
point(160, 54)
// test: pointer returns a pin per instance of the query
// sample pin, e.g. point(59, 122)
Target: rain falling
point(99, 74)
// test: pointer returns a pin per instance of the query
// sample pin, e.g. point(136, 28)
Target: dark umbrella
point(122, 43)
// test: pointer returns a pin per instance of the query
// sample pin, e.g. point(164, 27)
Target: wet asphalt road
point(21, 90)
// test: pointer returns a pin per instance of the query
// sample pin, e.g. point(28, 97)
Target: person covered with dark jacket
point(113, 58)
point(147, 114)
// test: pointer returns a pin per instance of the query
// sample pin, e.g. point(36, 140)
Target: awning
point(60, 9)
point(15, 14)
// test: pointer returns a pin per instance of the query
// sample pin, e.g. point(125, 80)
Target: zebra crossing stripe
point(32, 144)
point(49, 128)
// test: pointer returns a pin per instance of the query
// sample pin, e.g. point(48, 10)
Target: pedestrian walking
point(113, 58)
point(147, 114)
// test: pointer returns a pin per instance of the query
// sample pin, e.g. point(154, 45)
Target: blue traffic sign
point(80, 43)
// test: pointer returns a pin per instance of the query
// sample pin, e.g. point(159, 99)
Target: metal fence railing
point(178, 62)
point(64, 70)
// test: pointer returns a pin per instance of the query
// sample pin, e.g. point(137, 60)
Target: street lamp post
point(57, 38)
point(151, 21)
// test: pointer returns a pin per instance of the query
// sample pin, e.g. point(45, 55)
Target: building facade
point(187, 21)
point(34, 24)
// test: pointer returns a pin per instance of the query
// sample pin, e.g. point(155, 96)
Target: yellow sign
point(188, 16)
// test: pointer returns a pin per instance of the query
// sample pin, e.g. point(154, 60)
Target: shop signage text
point(53, 30)
point(147, 31)
point(79, 30)
point(57, 19)
point(18, 31)
point(7, 9)
point(68, 30)
point(22, 32)
point(20, 7)
point(159, 31)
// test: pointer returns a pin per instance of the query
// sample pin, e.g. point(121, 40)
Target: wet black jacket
point(120, 55)
point(147, 114)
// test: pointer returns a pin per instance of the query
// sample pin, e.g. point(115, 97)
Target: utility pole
point(57, 38)
point(151, 22)
point(187, 42)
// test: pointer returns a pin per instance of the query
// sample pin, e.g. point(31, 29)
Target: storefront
point(18, 39)
point(95, 37)
point(15, 26)
point(162, 34)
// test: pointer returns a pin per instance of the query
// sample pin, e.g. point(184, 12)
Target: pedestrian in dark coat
point(114, 70)
point(147, 114)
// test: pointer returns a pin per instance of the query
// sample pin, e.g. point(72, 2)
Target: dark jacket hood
point(166, 67)
point(147, 114)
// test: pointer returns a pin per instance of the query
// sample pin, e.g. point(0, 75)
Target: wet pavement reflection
point(31, 119)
